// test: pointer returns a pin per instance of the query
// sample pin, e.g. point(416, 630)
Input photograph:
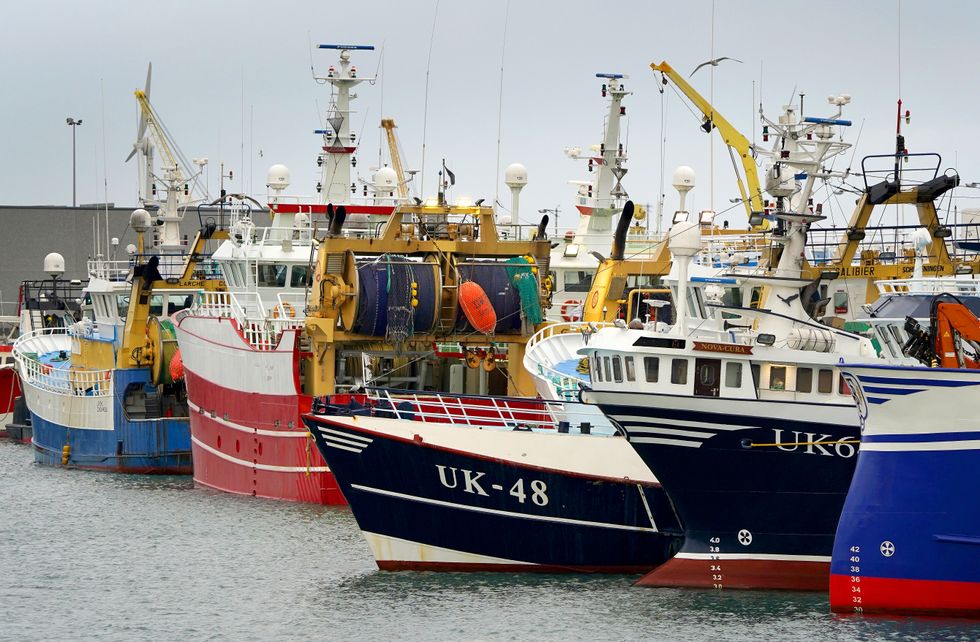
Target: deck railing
point(260, 329)
point(63, 381)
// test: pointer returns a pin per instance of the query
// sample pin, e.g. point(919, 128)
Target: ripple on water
point(94, 555)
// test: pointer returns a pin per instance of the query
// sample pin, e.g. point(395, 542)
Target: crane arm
point(752, 196)
point(388, 124)
point(159, 137)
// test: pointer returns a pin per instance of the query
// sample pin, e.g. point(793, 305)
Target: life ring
point(595, 299)
point(288, 310)
point(570, 308)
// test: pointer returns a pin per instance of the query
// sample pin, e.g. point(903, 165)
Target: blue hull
point(466, 507)
point(149, 446)
point(908, 540)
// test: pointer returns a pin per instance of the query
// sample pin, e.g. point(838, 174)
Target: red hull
point(9, 389)
point(904, 597)
point(740, 574)
point(240, 445)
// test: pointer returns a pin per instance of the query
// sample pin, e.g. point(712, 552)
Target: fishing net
point(526, 285)
point(401, 314)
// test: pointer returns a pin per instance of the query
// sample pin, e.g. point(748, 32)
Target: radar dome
point(684, 238)
point(54, 264)
point(683, 178)
point(921, 239)
point(277, 178)
point(515, 175)
point(139, 220)
point(385, 180)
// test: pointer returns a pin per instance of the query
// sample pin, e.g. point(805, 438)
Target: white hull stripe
point(748, 556)
point(252, 431)
point(920, 446)
point(680, 423)
point(494, 511)
point(643, 430)
point(665, 442)
point(266, 467)
point(345, 437)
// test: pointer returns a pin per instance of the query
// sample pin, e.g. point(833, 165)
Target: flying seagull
point(714, 63)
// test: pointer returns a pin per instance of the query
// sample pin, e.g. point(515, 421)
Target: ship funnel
point(542, 229)
point(619, 238)
point(337, 221)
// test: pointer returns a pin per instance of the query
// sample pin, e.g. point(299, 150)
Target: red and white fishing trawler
point(242, 349)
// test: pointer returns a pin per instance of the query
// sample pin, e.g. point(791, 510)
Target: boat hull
point(247, 433)
point(908, 541)
point(94, 433)
point(439, 497)
point(756, 515)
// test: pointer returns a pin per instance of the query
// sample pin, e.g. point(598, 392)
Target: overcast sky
point(232, 80)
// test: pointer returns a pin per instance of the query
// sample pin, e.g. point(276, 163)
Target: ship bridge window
point(156, 305)
point(596, 367)
point(578, 280)
point(733, 374)
point(804, 379)
point(777, 378)
point(271, 275)
point(652, 367)
point(630, 368)
point(678, 371)
point(178, 302)
point(607, 368)
point(842, 387)
point(617, 368)
point(300, 276)
point(122, 305)
point(825, 381)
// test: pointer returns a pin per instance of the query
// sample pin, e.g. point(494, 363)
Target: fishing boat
point(745, 421)
point(42, 303)
point(441, 482)
point(101, 392)
point(907, 538)
point(244, 351)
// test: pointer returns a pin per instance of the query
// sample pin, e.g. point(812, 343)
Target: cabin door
point(707, 377)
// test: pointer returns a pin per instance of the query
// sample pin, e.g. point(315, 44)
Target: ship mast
point(339, 142)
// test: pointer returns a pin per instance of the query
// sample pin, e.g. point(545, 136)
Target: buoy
point(570, 310)
point(177, 366)
point(476, 307)
point(65, 454)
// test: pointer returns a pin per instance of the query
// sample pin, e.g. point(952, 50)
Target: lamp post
point(73, 124)
point(554, 211)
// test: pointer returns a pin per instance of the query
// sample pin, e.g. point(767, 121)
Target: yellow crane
point(388, 124)
point(736, 141)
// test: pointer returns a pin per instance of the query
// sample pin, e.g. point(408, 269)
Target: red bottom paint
point(740, 574)
point(256, 444)
point(458, 567)
point(906, 597)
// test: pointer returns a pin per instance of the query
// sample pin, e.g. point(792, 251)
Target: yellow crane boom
point(159, 137)
point(751, 196)
point(388, 124)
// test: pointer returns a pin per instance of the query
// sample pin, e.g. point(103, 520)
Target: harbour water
point(119, 557)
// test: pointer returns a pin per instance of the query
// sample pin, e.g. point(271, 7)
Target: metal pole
point(73, 192)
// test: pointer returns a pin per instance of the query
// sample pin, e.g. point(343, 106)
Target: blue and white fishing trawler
point(101, 392)
point(908, 540)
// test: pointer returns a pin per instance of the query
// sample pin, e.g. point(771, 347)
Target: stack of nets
point(526, 285)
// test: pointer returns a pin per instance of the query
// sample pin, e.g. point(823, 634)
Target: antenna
point(425, 110)
point(500, 105)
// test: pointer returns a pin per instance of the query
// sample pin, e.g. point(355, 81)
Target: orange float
point(476, 307)
point(177, 366)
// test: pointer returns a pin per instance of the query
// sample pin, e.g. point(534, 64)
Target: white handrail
point(65, 381)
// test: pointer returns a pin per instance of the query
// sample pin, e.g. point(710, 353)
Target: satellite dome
point(139, 220)
point(277, 178)
point(54, 264)
point(683, 178)
point(515, 175)
point(385, 180)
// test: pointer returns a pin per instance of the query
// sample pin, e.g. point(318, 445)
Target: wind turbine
point(144, 145)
